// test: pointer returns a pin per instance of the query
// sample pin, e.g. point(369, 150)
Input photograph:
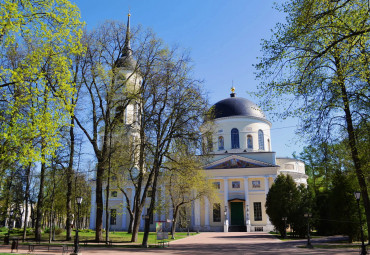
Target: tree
point(36, 38)
point(172, 109)
point(319, 60)
point(281, 201)
point(184, 181)
point(104, 95)
point(286, 199)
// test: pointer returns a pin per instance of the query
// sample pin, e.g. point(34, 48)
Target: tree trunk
point(136, 224)
point(152, 205)
point(40, 202)
point(26, 196)
point(130, 226)
point(355, 156)
point(99, 202)
point(69, 182)
point(174, 220)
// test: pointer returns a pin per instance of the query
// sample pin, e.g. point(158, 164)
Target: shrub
point(58, 231)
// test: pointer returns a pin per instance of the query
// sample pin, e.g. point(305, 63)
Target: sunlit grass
point(88, 236)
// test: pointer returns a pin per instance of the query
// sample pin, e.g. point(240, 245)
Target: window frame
point(216, 212)
point(250, 142)
point(261, 140)
point(221, 143)
point(217, 185)
point(235, 184)
point(257, 209)
point(235, 144)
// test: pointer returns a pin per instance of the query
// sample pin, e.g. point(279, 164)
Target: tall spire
point(126, 59)
point(127, 47)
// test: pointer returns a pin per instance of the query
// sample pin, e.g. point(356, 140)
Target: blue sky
point(223, 37)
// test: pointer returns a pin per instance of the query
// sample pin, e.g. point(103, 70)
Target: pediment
point(237, 162)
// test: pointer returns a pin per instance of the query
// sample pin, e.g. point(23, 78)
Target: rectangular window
point(256, 184)
point(236, 185)
point(257, 211)
point(217, 185)
point(113, 216)
point(217, 212)
point(113, 194)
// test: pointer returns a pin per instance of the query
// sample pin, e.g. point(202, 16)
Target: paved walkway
point(215, 243)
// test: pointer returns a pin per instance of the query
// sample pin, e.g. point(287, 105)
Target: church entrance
point(237, 223)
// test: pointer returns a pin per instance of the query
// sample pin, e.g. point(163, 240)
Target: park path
point(215, 243)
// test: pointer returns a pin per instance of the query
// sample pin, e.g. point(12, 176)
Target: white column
point(267, 188)
point(197, 214)
point(93, 209)
point(206, 212)
point(247, 213)
point(226, 203)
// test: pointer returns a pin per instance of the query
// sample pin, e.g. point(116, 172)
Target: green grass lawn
point(89, 235)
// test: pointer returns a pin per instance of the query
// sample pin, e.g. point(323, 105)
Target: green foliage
point(285, 199)
point(337, 209)
point(316, 67)
point(37, 41)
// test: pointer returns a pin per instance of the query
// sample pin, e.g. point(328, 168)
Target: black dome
point(237, 106)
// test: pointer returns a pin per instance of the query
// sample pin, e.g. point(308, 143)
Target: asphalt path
point(216, 243)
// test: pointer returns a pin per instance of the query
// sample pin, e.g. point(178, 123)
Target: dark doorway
point(237, 214)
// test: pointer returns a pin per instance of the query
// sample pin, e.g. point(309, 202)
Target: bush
point(3, 229)
point(58, 231)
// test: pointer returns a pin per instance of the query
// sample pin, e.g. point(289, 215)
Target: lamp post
point(77, 241)
point(308, 215)
point(363, 248)
point(284, 219)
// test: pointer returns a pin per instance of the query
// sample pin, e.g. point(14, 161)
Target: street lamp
point(284, 219)
point(363, 248)
point(79, 201)
point(308, 215)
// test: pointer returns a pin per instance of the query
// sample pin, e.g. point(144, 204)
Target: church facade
point(243, 167)
point(240, 163)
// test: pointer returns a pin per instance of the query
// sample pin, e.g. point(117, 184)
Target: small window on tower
point(220, 143)
point(249, 142)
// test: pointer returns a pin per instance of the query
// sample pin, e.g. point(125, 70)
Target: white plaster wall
point(246, 126)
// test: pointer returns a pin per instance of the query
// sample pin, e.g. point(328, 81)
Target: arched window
point(249, 142)
point(261, 143)
point(235, 138)
point(220, 143)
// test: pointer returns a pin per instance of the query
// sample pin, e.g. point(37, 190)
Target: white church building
point(242, 167)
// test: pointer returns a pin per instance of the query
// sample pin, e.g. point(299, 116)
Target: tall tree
point(34, 34)
point(317, 66)
point(103, 98)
